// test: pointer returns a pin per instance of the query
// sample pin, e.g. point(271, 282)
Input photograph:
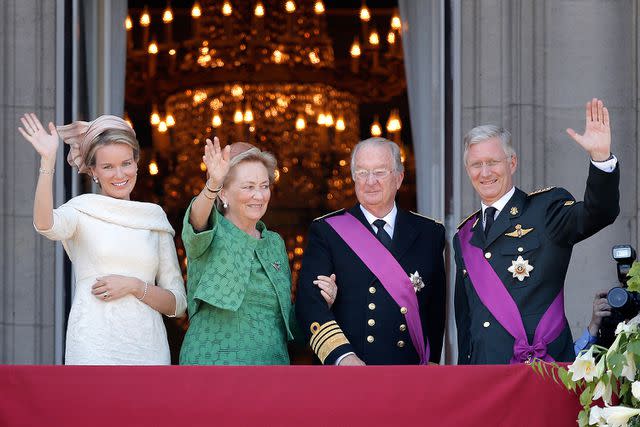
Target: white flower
point(618, 416)
point(416, 281)
point(603, 391)
point(584, 366)
point(596, 416)
point(635, 389)
point(629, 327)
point(629, 370)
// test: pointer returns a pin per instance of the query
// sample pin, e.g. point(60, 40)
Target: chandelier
point(262, 72)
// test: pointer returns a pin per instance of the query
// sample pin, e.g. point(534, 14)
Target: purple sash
point(390, 273)
point(496, 298)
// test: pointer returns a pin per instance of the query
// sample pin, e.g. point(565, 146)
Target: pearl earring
point(95, 179)
point(225, 205)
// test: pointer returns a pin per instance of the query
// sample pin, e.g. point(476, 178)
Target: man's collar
point(501, 202)
point(389, 218)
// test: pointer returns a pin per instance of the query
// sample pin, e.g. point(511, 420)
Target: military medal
point(520, 268)
point(276, 265)
point(416, 281)
point(519, 231)
point(513, 211)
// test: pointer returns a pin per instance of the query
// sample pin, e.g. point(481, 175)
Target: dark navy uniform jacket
point(557, 222)
point(364, 312)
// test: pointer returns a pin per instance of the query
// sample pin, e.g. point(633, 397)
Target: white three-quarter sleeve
point(169, 275)
point(65, 221)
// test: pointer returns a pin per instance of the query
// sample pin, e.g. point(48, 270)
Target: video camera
point(624, 304)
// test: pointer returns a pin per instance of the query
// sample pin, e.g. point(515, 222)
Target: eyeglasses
point(477, 166)
point(378, 174)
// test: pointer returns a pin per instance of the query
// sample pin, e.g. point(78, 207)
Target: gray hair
point(376, 140)
point(253, 154)
point(485, 132)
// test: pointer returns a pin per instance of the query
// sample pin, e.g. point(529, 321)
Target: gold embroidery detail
point(519, 231)
point(327, 338)
point(513, 211)
point(569, 202)
point(468, 218)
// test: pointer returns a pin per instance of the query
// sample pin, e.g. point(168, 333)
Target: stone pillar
point(531, 66)
point(27, 271)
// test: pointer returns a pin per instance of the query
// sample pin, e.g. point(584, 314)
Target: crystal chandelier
point(262, 72)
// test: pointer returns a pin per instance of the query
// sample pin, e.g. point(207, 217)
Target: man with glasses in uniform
point(389, 267)
point(512, 254)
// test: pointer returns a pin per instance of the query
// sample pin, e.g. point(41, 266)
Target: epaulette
point(427, 217)
point(330, 214)
point(541, 190)
point(468, 218)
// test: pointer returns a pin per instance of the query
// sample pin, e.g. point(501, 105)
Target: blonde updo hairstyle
point(110, 137)
point(243, 152)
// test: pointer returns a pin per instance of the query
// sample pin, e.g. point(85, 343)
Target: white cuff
point(607, 165)
point(343, 356)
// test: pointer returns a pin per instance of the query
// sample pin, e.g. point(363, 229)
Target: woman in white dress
point(125, 264)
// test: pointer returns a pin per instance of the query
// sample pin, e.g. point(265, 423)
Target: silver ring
point(105, 295)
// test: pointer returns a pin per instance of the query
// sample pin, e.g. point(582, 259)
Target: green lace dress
point(238, 294)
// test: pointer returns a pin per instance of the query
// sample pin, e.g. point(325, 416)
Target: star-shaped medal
point(520, 268)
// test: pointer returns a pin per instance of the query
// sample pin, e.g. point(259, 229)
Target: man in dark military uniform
point(512, 255)
point(373, 320)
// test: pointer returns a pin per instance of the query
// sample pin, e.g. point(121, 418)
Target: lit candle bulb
point(340, 126)
point(196, 13)
point(376, 129)
point(216, 121)
point(300, 123)
point(153, 168)
point(170, 120)
point(318, 7)
point(162, 127)
point(227, 9)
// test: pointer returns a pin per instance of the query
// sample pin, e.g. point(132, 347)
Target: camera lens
point(617, 297)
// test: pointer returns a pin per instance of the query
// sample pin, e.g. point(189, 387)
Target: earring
point(225, 205)
point(95, 179)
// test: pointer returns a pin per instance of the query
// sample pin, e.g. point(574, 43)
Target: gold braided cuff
point(326, 338)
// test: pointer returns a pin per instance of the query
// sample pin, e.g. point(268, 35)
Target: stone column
point(27, 271)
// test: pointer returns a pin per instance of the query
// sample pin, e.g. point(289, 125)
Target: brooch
point(520, 268)
point(513, 211)
point(416, 281)
point(276, 265)
point(519, 231)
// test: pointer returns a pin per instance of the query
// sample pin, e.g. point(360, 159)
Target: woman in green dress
point(238, 279)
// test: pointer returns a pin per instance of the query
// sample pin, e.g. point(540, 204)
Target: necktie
point(489, 214)
point(382, 235)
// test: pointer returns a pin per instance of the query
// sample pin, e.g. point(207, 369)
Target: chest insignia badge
point(513, 210)
point(520, 268)
point(416, 281)
point(519, 231)
point(276, 265)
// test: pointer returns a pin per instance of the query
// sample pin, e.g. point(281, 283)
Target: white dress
point(102, 236)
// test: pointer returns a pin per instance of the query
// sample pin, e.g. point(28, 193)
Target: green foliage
point(634, 277)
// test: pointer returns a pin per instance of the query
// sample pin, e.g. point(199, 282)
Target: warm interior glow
point(277, 56)
point(170, 120)
point(318, 8)
point(162, 127)
point(216, 121)
point(238, 117)
point(355, 49)
point(328, 120)
point(300, 123)
point(153, 168)
point(145, 18)
point(374, 39)
point(365, 15)
point(237, 91)
point(396, 24)
point(167, 16)
point(259, 9)
point(155, 118)
point(248, 116)
point(321, 119)
point(340, 126)
point(290, 6)
point(153, 48)
point(376, 129)
point(313, 57)
point(391, 37)
point(196, 12)
point(128, 23)
point(227, 9)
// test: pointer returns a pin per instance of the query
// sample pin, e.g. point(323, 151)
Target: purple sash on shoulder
point(387, 269)
point(499, 302)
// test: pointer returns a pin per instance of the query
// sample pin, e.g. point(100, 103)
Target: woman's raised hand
point(216, 160)
point(45, 143)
